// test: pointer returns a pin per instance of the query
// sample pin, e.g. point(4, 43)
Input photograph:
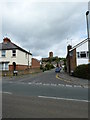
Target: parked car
point(57, 69)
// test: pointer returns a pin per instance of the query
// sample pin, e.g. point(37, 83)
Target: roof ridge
point(79, 44)
point(21, 48)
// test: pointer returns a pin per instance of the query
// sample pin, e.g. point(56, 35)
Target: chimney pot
point(5, 40)
point(68, 48)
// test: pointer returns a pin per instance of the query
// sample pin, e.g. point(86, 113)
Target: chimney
point(68, 48)
point(6, 40)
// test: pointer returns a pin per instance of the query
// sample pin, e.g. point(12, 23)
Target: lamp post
point(87, 13)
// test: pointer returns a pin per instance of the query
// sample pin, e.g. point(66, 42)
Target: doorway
point(14, 66)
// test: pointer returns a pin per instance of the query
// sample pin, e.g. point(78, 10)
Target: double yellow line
point(62, 79)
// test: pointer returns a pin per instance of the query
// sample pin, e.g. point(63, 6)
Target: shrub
point(82, 71)
point(49, 66)
point(41, 67)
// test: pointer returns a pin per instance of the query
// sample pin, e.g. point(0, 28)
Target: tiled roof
point(11, 46)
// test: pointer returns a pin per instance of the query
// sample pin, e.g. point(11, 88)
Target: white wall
point(83, 47)
point(8, 57)
point(19, 59)
point(22, 59)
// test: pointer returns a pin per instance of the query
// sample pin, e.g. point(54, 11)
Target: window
point(83, 54)
point(3, 53)
point(4, 66)
point(78, 55)
point(87, 54)
point(13, 53)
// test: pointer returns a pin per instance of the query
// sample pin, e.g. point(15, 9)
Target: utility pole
point(28, 58)
point(87, 18)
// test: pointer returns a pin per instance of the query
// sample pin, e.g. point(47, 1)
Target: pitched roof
point(79, 44)
point(11, 46)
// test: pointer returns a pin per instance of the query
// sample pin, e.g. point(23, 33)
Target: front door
point(14, 66)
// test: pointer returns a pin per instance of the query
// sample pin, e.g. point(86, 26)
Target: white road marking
point(68, 85)
point(85, 86)
point(51, 84)
point(77, 100)
point(77, 85)
point(61, 85)
point(7, 93)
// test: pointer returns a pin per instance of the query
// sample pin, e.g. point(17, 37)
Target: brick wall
point(18, 67)
point(35, 63)
point(21, 72)
point(73, 60)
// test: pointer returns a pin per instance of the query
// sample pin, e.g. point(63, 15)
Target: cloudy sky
point(44, 26)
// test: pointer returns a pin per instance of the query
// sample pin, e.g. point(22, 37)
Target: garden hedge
point(82, 71)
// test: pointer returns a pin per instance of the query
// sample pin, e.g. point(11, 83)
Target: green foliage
point(82, 71)
point(41, 67)
point(54, 59)
point(65, 68)
point(49, 66)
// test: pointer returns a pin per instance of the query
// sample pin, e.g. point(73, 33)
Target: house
point(77, 55)
point(13, 57)
point(48, 58)
point(35, 63)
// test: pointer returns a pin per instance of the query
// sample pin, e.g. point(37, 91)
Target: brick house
point(35, 63)
point(13, 57)
point(50, 56)
point(77, 55)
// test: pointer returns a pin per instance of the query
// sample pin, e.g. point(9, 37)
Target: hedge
point(82, 71)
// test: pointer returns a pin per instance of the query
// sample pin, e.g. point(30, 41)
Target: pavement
point(63, 76)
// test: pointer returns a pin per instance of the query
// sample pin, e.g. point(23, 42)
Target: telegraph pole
point(87, 18)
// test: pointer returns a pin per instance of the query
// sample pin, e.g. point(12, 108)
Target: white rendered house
point(13, 57)
point(77, 55)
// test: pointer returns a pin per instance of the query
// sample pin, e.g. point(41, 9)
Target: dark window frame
point(3, 53)
point(14, 53)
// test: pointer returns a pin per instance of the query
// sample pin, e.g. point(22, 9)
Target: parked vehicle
point(58, 69)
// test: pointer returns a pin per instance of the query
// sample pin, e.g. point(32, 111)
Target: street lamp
point(87, 13)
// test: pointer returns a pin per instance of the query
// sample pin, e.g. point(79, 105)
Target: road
point(43, 95)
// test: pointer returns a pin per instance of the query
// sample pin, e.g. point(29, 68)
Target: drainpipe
point(28, 58)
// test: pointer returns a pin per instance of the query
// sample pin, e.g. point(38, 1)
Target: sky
point(42, 27)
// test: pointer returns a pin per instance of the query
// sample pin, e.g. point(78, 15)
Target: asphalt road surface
point(43, 96)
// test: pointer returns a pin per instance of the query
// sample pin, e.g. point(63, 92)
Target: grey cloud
point(40, 27)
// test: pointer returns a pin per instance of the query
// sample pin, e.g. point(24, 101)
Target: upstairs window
point(83, 54)
point(88, 54)
point(14, 53)
point(3, 53)
point(78, 55)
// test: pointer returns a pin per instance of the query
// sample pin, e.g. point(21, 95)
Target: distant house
point(77, 55)
point(35, 63)
point(48, 58)
point(13, 57)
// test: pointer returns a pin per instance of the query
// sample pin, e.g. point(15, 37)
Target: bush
point(41, 67)
point(49, 66)
point(82, 71)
